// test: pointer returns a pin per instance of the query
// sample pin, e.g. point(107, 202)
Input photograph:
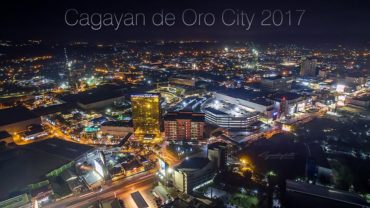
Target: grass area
point(244, 201)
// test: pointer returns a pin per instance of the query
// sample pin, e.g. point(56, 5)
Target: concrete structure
point(217, 153)
point(17, 119)
point(253, 100)
point(193, 172)
point(276, 83)
point(184, 125)
point(146, 115)
point(229, 120)
point(288, 103)
point(308, 68)
point(117, 128)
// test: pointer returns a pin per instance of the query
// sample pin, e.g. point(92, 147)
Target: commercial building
point(117, 128)
point(17, 119)
point(230, 119)
point(308, 68)
point(146, 115)
point(276, 83)
point(184, 125)
point(193, 172)
point(288, 103)
point(98, 98)
point(255, 101)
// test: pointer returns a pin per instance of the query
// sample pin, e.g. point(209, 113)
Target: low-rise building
point(117, 128)
point(17, 119)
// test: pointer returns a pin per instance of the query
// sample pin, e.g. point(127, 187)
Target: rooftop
point(118, 123)
point(249, 95)
point(193, 163)
point(15, 114)
point(29, 164)
point(195, 117)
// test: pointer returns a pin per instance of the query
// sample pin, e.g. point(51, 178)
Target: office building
point(146, 116)
point(184, 125)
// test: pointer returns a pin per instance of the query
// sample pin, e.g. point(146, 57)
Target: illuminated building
point(184, 125)
point(146, 115)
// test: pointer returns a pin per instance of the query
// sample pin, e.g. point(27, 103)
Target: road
point(121, 187)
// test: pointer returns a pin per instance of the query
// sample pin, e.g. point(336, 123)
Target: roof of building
point(37, 160)
point(286, 95)
point(217, 145)
point(215, 111)
point(15, 114)
point(118, 123)
point(258, 97)
point(195, 117)
point(194, 163)
point(94, 95)
point(4, 135)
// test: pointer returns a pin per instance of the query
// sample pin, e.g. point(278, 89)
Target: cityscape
point(184, 121)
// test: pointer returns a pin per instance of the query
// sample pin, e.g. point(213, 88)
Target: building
point(229, 119)
point(17, 119)
point(182, 80)
point(300, 194)
point(146, 115)
point(255, 101)
point(184, 125)
point(217, 152)
point(117, 128)
point(276, 83)
point(308, 68)
point(193, 172)
point(288, 103)
point(98, 98)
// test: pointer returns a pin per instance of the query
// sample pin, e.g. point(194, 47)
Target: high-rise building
point(146, 116)
point(184, 125)
point(308, 68)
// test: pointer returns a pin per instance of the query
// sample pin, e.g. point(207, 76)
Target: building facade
point(146, 115)
point(184, 125)
point(308, 68)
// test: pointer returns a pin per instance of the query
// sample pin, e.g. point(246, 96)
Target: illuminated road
point(119, 188)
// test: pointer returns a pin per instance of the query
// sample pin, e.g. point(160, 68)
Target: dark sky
point(325, 20)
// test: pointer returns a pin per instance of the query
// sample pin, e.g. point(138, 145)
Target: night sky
point(323, 21)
